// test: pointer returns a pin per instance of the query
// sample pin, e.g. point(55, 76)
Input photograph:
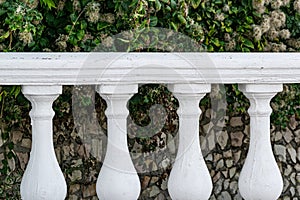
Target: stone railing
point(188, 76)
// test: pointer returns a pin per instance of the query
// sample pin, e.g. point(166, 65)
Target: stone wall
point(80, 142)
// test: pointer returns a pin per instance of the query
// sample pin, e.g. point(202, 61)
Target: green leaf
point(157, 5)
point(181, 19)
point(153, 21)
point(195, 3)
point(5, 35)
point(249, 43)
point(49, 3)
point(174, 26)
point(216, 42)
point(80, 34)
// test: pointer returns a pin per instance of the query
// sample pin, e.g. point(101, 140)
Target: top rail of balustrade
point(101, 68)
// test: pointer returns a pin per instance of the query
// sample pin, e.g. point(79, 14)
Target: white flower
point(26, 37)
point(257, 32)
point(285, 34)
point(297, 5)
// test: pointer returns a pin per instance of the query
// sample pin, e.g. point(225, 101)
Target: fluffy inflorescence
point(93, 12)
point(273, 24)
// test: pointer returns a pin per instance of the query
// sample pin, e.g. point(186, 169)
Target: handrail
point(99, 68)
point(188, 76)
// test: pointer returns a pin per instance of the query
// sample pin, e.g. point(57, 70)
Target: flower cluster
point(272, 24)
point(61, 42)
point(93, 12)
point(26, 37)
point(31, 3)
point(107, 17)
point(297, 5)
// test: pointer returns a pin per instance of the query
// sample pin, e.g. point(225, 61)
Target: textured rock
point(222, 139)
point(288, 136)
point(237, 139)
point(280, 151)
point(292, 152)
point(89, 191)
point(225, 195)
point(236, 121)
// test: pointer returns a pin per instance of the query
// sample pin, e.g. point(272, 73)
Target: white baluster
point(43, 178)
point(118, 178)
point(189, 178)
point(260, 178)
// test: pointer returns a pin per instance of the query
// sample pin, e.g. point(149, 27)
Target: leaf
point(181, 19)
point(49, 3)
point(174, 26)
point(157, 5)
point(249, 44)
point(5, 35)
point(153, 21)
point(195, 3)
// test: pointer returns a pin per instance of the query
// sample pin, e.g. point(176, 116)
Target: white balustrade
point(189, 178)
point(117, 75)
point(118, 178)
point(43, 178)
point(260, 177)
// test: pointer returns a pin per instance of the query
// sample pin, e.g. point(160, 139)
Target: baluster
point(260, 177)
point(189, 178)
point(118, 178)
point(42, 178)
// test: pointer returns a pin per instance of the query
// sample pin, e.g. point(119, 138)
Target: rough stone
point(165, 163)
point(164, 184)
point(238, 197)
point(225, 195)
point(298, 190)
point(154, 190)
point(286, 184)
point(76, 175)
point(73, 197)
point(237, 156)
point(16, 136)
point(297, 167)
point(154, 179)
point(220, 164)
point(11, 164)
point(236, 121)
point(209, 157)
point(292, 152)
point(232, 172)
point(89, 191)
point(227, 154)
point(277, 136)
point(160, 197)
point(233, 186)
point(218, 186)
point(171, 144)
point(211, 141)
point(26, 143)
point(298, 153)
point(145, 181)
point(288, 136)
point(96, 148)
point(23, 159)
point(280, 151)
point(222, 138)
point(236, 139)
point(226, 184)
point(74, 188)
point(229, 163)
point(293, 178)
point(288, 170)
